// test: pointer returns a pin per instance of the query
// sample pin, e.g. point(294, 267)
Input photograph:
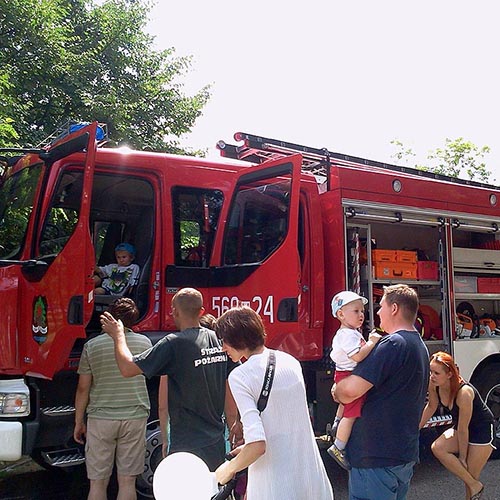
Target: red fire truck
point(282, 234)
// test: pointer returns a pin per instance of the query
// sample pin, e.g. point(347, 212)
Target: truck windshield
point(16, 203)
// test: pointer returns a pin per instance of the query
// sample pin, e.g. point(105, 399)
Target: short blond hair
point(405, 297)
point(189, 301)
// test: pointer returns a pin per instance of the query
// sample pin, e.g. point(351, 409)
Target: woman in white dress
point(280, 450)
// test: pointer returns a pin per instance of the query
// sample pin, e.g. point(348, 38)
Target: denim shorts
point(382, 483)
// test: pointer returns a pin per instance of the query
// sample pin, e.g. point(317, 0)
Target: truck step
point(64, 458)
point(438, 421)
point(58, 411)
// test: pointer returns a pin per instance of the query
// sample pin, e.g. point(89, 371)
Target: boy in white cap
point(348, 349)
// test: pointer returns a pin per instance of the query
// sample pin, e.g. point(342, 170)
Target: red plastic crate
point(427, 270)
point(488, 285)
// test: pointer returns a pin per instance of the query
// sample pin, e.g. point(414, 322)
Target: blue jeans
point(384, 483)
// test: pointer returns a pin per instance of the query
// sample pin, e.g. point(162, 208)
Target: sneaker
point(339, 456)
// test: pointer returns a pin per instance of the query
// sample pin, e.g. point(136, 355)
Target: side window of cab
point(62, 216)
point(196, 216)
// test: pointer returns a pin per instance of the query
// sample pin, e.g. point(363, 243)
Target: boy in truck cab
point(120, 277)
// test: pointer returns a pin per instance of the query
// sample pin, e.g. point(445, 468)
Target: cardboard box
point(427, 270)
point(465, 284)
point(395, 270)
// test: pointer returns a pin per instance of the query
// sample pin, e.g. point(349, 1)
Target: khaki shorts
point(123, 441)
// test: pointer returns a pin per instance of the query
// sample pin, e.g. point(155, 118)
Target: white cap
point(343, 298)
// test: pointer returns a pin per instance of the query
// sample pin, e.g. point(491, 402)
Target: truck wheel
point(488, 385)
point(144, 484)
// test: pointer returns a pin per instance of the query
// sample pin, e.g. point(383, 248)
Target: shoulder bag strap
point(268, 382)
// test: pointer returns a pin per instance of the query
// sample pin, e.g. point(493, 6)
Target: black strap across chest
point(268, 382)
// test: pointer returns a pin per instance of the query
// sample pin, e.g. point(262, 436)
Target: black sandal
point(478, 495)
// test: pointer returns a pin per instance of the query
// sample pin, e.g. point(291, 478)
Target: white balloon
point(183, 476)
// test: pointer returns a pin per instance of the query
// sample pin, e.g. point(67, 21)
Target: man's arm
point(350, 388)
point(124, 359)
point(81, 403)
point(163, 412)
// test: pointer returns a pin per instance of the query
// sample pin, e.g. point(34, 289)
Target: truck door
point(259, 259)
point(56, 295)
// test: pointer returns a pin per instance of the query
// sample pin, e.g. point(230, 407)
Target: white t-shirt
point(347, 341)
point(118, 278)
point(291, 468)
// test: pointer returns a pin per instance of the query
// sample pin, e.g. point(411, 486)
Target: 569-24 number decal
point(262, 305)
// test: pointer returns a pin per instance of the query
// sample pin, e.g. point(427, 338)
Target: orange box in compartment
point(408, 256)
point(488, 285)
point(384, 255)
point(427, 270)
point(394, 270)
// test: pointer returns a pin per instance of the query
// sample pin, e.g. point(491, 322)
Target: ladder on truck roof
point(316, 161)
point(258, 149)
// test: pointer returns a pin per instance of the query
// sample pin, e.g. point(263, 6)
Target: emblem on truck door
point(39, 325)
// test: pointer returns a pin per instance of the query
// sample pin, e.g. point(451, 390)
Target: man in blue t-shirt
point(383, 447)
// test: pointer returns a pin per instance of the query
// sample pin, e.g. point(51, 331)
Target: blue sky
point(347, 75)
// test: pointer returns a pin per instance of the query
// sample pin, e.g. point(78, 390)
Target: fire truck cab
point(282, 235)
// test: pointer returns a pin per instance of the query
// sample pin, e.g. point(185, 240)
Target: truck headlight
point(14, 398)
point(14, 404)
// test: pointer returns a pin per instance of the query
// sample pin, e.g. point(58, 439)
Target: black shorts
point(481, 434)
point(213, 455)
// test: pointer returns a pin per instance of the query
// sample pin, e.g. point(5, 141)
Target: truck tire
point(488, 385)
point(144, 484)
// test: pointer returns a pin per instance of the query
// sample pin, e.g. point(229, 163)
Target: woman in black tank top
point(465, 448)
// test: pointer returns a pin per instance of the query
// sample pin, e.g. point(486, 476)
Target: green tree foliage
point(461, 157)
point(8, 135)
point(81, 60)
point(458, 158)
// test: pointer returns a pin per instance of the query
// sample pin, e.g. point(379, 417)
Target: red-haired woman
point(465, 448)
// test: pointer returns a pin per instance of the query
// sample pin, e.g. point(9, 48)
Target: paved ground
point(431, 481)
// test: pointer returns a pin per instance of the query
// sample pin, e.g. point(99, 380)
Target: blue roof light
point(100, 134)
